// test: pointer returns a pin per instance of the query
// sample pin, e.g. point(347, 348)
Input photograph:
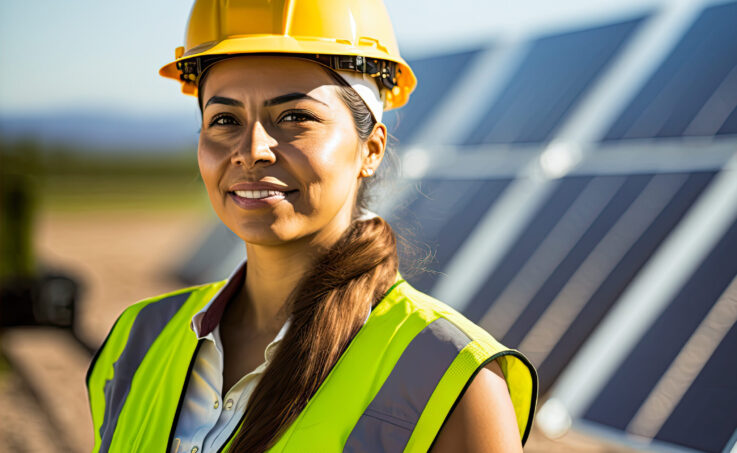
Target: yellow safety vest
point(391, 390)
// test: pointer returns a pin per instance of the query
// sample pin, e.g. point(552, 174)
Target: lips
point(259, 186)
point(257, 199)
point(259, 194)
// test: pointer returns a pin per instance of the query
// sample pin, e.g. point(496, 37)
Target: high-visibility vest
point(391, 390)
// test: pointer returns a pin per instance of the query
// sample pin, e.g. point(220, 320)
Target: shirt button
point(217, 404)
point(194, 449)
point(229, 404)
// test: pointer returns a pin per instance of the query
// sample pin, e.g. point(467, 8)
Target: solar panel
point(616, 194)
point(529, 241)
point(547, 83)
point(440, 215)
point(730, 125)
point(713, 393)
point(574, 259)
point(609, 290)
point(435, 75)
point(694, 91)
point(679, 383)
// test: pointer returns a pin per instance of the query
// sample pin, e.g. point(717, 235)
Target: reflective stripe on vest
point(391, 390)
point(148, 325)
point(388, 422)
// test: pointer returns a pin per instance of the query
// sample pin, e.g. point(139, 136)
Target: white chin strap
point(366, 87)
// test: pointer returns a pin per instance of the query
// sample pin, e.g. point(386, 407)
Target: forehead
point(261, 76)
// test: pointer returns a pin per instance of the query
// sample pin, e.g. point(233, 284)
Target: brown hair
point(328, 307)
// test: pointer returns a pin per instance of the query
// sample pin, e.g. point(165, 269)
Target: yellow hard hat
point(341, 34)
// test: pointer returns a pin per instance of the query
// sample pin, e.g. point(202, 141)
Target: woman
point(316, 342)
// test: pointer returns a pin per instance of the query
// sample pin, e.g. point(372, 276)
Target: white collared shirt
point(208, 418)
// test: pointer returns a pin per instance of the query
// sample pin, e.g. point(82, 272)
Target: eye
point(298, 116)
point(224, 119)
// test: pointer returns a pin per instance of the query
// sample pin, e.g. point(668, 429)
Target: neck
point(273, 272)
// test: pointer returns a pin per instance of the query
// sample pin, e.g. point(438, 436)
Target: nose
point(255, 147)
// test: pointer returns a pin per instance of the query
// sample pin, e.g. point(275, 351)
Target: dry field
point(120, 257)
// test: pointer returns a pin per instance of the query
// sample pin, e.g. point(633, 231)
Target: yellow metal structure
point(309, 28)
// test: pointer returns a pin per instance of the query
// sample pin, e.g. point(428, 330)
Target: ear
point(373, 151)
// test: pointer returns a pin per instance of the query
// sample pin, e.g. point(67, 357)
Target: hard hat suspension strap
point(384, 71)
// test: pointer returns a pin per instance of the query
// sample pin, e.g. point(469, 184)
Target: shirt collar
point(205, 320)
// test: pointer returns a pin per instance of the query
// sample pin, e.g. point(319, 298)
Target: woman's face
point(278, 121)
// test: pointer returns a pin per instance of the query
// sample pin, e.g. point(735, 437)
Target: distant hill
point(103, 131)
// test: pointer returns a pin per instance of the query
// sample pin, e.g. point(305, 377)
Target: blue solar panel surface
point(548, 82)
point(704, 419)
point(530, 239)
point(624, 189)
point(714, 392)
point(730, 124)
point(631, 263)
point(694, 91)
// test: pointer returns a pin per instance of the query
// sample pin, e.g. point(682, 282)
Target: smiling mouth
point(261, 194)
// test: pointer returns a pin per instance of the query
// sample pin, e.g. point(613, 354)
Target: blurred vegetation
point(17, 205)
point(63, 179)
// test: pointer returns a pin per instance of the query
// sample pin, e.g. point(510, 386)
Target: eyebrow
point(291, 97)
point(224, 100)
point(274, 101)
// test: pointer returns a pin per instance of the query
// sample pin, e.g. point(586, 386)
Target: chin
point(266, 235)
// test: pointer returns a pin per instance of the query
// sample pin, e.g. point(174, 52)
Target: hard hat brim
point(254, 44)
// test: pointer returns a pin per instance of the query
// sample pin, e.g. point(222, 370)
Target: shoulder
point(484, 418)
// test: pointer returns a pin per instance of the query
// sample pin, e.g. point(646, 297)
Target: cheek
point(209, 160)
point(330, 168)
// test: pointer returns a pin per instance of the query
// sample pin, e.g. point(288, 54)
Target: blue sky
point(91, 55)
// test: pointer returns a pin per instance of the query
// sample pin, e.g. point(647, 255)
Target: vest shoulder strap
point(520, 374)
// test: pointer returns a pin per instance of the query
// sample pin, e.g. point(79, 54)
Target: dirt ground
point(120, 257)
